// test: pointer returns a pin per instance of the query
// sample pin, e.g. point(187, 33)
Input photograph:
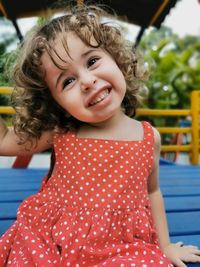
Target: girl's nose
point(87, 83)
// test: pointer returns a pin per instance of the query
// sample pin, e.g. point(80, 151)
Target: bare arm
point(9, 142)
point(177, 253)
point(156, 199)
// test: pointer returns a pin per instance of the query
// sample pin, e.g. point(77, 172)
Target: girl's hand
point(179, 253)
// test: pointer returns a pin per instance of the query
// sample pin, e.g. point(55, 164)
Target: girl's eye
point(92, 61)
point(67, 82)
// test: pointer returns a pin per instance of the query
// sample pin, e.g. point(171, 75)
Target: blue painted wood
point(184, 223)
point(33, 172)
point(182, 203)
point(17, 196)
point(173, 191)
point(187, 239)
point(4, 225)
point(18, 187)
point(8, 210)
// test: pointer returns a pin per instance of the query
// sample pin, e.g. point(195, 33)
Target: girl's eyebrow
point(88, 52)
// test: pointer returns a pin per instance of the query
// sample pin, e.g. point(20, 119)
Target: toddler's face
point(89, 85)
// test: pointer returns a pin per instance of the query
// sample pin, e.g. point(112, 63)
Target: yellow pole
point(6, 90)
point(6, 110)
point(2, 9)
point(159, 11)
point(162, 112)
point(195, 126)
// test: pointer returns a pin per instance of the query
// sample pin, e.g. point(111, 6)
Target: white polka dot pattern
point(93, 211)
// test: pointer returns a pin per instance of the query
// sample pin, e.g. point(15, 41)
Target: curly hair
point(36, 110)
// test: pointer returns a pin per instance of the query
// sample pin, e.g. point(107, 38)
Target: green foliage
point(174, 65)
point(6, 39)
point(7, 59)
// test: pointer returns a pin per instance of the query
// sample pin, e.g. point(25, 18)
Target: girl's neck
point(118, 127)
point(110, 123)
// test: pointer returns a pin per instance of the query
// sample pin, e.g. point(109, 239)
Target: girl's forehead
point(71, 36)
point(67, 43)
point(65, 48)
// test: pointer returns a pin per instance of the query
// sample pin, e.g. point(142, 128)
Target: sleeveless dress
point(93, 211)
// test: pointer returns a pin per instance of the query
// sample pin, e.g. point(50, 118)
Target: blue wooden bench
point(180, 185)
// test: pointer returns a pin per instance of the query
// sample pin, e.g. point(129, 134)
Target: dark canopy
point(140, 12)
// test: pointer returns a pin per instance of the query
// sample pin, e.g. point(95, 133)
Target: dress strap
point(148, 143)
point(148, 132)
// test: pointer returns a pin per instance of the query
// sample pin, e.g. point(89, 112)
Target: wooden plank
point(16, 196)
point(28, 173)
point(177, 204)
point(4, 225)
point(187, 239)
point(180, 191)
point(12, 187)
point(193, 265)
point(8, 210)
point(184, 223)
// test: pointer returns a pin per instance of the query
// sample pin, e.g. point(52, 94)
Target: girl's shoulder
point(150, 133)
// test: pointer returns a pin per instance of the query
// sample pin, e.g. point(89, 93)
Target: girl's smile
point(99, 96)
point(85, 80)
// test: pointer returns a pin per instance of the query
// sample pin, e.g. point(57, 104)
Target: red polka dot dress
point(93, 211)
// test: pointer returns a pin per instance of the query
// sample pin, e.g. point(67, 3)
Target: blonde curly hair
point(36, 110)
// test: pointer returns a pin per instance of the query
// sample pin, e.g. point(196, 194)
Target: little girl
point(76, 91)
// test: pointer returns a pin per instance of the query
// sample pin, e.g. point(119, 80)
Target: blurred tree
point(174, 65)
point(7, 58)
point(7, 38)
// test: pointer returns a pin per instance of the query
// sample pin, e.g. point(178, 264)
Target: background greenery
point(174, 65)
point(6, 58)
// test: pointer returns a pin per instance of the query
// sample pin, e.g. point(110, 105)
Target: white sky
point(185, 18)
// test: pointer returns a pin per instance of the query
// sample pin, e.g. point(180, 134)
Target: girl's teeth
point(100, 97)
